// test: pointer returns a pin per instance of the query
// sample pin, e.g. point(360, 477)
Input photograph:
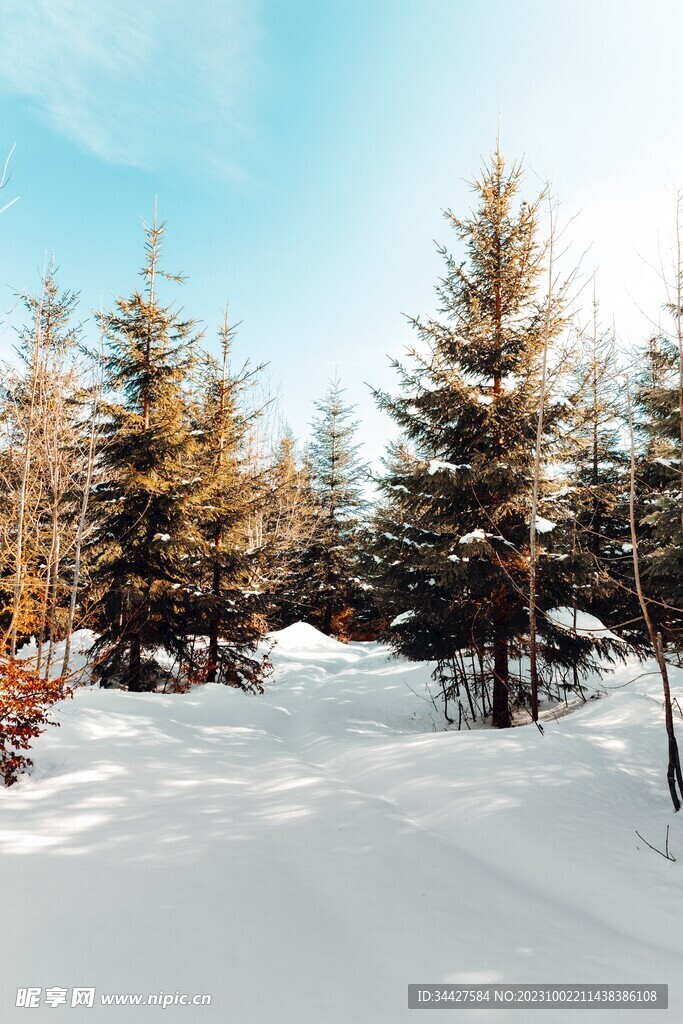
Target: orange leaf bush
point(25, 700)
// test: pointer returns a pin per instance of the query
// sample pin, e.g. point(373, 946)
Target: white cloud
point(141, 84)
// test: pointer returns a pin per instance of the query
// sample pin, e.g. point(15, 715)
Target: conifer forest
point(285, 727)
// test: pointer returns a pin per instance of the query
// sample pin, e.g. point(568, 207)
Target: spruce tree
point(226, 597)
point(598, 471)
point(337, 475)
point(452, 533)
point(145, 498)
point(659, 429)
point(658, 500)
point(291, 522)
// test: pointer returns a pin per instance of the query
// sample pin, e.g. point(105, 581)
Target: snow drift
point(305, 855)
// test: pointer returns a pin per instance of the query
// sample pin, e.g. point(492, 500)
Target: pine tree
point(227, 601)
point(145, 499)
point(337, 474)
point(659, 429)
point(598, 473)
point(674, 772)
point(453, 531)
point(658, 501)
point(291, 522)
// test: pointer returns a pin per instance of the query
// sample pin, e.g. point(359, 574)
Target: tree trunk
point(673, 772)
point(80, 533)
point(500, 705)
point(54, 597)
point(213, 629)
point(135, 664)
point(533, 536)
point(79, 545)
point(327, 617)
point(679, 335)
point(21, 517)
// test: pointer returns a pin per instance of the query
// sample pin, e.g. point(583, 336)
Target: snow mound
point(586, 624)
point(301, 638)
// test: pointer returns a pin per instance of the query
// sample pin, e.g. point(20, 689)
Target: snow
point(436, 465)
point(544, 525)
point(304, 855)
point(302, 639)
point(81, 644)
point(475, 535)
point(403, 617)
point(586, 624)
point(162, 537)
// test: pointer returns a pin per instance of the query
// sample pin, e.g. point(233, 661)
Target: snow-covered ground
point(305, 855)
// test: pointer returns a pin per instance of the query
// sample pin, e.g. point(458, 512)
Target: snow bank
point(586, 624)
point(81, 644)
point(301, 638)
point(303, 856)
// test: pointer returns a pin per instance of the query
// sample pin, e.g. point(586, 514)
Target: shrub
point(25, 700)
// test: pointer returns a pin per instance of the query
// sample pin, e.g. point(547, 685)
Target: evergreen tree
point(659, 412)
point(658, 500)
point(291, 522)
point(227, 600)
point(598, 472)
point(145, 500)
point(337, 474)
point(453, 530)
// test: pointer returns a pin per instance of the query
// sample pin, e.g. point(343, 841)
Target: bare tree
point(533, 540)
point(93, 439)
point(555, 303)
point(676, 307)
point(25, 471)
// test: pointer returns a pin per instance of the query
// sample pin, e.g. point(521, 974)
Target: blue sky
point(302, 153)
